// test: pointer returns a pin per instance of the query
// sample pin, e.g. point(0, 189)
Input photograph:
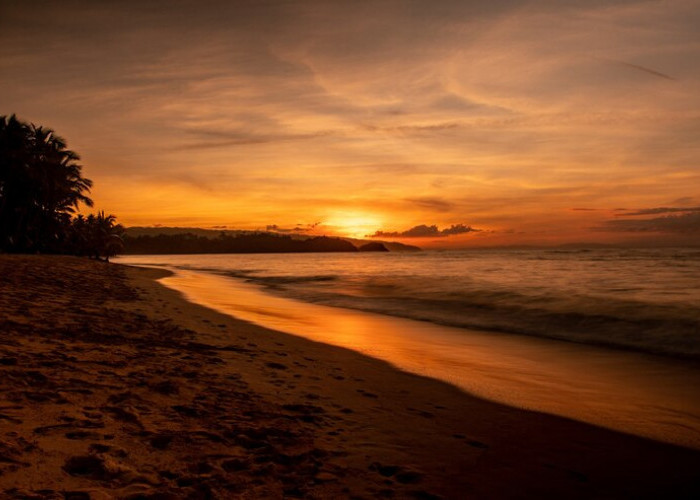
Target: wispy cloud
point(677, 220)
point(641, 68)
point(244, 139)
point(660, 210)
point(688, 223)
point(424, 231)
point(430, 203)
point(298, 228)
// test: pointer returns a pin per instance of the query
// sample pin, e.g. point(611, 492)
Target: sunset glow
point(530, 122)
point(354, 224)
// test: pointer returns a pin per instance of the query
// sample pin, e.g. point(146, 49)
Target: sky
point(437, 123)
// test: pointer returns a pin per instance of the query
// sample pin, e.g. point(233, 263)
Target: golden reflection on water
point(635, 393)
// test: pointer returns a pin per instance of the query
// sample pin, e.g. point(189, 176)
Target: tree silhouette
point(101, 234)
point(41, 186)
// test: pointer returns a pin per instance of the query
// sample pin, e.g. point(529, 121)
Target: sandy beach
point(114, 386)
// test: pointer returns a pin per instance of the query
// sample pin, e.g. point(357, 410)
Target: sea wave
point(669, 329)
point(272, 281)
point(660, 330)
point(646, 300)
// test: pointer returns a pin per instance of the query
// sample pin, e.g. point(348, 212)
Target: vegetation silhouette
point(95, 236)
point(41, 187)
point(263, 242)
point(134, 232)
point(373, 246)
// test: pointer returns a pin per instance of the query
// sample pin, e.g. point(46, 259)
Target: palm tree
point(103, 237)
point(15, 180)
point(77, 241)
point(41, 186)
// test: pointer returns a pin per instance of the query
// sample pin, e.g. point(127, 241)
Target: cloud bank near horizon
point(679, 220)
point(424, 231)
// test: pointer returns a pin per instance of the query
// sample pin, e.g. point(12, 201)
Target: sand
point(113, 386)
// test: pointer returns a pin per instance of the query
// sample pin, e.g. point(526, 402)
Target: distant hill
point(392, 246)
point(373, 246)
point(188, 243)
point(180, 240)
point(207, 233)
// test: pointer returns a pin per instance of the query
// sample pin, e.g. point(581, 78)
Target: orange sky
point(538, 122)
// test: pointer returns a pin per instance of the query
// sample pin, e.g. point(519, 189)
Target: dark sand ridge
point(112, 384)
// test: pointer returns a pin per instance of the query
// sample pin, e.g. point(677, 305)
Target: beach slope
point(112, 385)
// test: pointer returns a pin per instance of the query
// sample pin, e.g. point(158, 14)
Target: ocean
point(608, 337)
point(637, 299)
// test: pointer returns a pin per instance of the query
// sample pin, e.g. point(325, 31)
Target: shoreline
point(646, 319)
point(193, 400)
point(631, 392)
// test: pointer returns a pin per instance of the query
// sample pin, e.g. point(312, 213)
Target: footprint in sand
point(76, 495)
point(276, 366)
point(10, 419)
point(10, 455)
point(99, 448)
point(122, 415)
point(166, 387)
point(80, 435)
point(88, 466)
point(477, 444)
point(400, 474)
point(367, 394)
point(188, 411)
point(235, 465)
point(43, 430)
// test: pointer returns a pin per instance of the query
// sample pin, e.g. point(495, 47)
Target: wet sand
point(112, 385)
point(637, 393)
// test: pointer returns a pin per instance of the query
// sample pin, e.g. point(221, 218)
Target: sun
point(353, 224)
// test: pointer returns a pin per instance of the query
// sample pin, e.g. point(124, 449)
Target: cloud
point(458, 229)
point(662, 210)
point(274, 228)
point(642, 68)
point(686, 223)
point(685, 200)
point(677, 220)
point(428, 129)
point(436, 204)
point(423, 231)
point(299, 228)
point(244, 139)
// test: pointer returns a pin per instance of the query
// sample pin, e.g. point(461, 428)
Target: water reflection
point(640, 394)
